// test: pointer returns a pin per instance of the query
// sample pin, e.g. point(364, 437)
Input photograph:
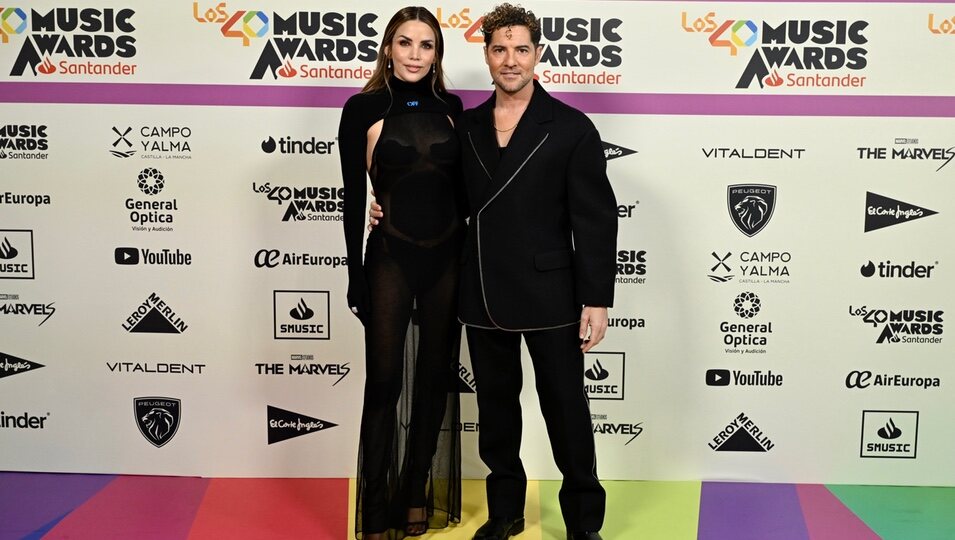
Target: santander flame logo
point(774, 79)
point(287, 70)
point(46, 67)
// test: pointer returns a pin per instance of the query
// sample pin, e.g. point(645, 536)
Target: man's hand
point(593, 319)
point(374, 212)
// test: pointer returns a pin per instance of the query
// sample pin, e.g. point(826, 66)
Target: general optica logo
point(71, 41)
point(303, 44)
point(794, 53)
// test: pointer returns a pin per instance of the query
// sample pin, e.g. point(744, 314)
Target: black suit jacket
point(543, 218)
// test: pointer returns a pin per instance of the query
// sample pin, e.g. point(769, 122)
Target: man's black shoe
point(500, 529)
point(583, 535)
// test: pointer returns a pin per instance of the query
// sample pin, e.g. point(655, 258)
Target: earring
point(389, 63)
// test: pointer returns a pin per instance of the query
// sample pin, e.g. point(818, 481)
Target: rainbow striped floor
point(77, 506)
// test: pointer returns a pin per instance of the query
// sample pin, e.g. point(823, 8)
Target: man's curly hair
point(506, 15)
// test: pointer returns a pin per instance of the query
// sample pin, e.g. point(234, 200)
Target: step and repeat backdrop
point(172, 268)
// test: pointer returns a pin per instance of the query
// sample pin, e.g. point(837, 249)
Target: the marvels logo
point(157, 418)
point(301, 314)
point(886, 269)
point(753, 153)
point(882, 211)
point(904, 325)
point(271, 258)
point(144, 212)
point(317, 41)
point(889, 434)
point(163, 257)
point(751, 206)
point(746, 305)
point(310, 203)
point(23, 421)
point(288, 145)
point(741, 435)
point(906, 152)
point(154, 316)
point(16, 254)
point(622, 430)
point(725, 377)
point(795, 46)
point(604, 375)
point(305, 364)
point(751, 266)
point(72, 34)
point(284, 425)
point(155, 142)
point(631, 266)
point(941, 25)
point(10, 305)
point(11, 365)
point(867, 379)
point(23, 141)
point(614, 151)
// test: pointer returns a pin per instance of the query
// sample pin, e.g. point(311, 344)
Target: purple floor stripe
point(31, 501)
point(589, 102)
point(743, 511)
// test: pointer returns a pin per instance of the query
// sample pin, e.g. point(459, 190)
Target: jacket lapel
point(482, 141)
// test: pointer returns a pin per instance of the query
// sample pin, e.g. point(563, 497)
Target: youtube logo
point(126, 255)
point(717, 377)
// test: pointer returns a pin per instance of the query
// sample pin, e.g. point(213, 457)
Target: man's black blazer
point(542, 233)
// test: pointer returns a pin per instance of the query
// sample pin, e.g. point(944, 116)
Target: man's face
point(511, 58)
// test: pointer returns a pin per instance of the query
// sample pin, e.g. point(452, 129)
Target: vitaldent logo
point(319, 43)
point(81, 41)
point(799, 53)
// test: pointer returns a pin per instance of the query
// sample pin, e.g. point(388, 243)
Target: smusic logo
point(16, 256)
point(284, 425)
point(751, 206)
point(84, 41)
point(741, 435)
point(154, 316)
point(890, 434)
point(157, 418)
point(604, 376)
point(882, 212)
point(904, 325)
point(11, 365)
point(301, 314)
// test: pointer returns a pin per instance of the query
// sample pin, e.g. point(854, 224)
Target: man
point(539, 264)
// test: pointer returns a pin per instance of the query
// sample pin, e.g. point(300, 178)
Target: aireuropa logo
point(882, 212)
point(604, 376)
point(903, 325)
point(154, 142)
point(272, 258)
point(888, 270)
point(741, 435)
point(614, 151)
point(301, 314)
point(16, 254)
point(157, 418)
point(751, 206)
point(796, 53)
point(284, 425)
point(33, 199)
point(321, 44)
point(11, 365)
point(941, 25)
point(154, 316)
point(862, 379)
point(305, 204)
point(72, 41)
point(23, 141)
point(890, 434)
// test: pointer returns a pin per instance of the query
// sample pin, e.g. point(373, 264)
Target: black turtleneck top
point(415, 165)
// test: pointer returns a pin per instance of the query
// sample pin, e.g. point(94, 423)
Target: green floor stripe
point(902, 513)
point(644, 510)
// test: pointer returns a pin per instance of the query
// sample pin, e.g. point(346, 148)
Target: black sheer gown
point(406, 293)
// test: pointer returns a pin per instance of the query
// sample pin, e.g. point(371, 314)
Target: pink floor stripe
point(140, 507)
point(827, 518)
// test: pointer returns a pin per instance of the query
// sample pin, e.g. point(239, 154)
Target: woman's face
point(412, 51)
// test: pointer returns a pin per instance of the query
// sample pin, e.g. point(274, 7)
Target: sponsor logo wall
point(781, 270)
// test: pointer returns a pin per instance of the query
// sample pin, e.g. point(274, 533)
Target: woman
point(399, 131)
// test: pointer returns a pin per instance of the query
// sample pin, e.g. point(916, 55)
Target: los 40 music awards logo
point(300, 44)
point(71, 40)
point(795, 53)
